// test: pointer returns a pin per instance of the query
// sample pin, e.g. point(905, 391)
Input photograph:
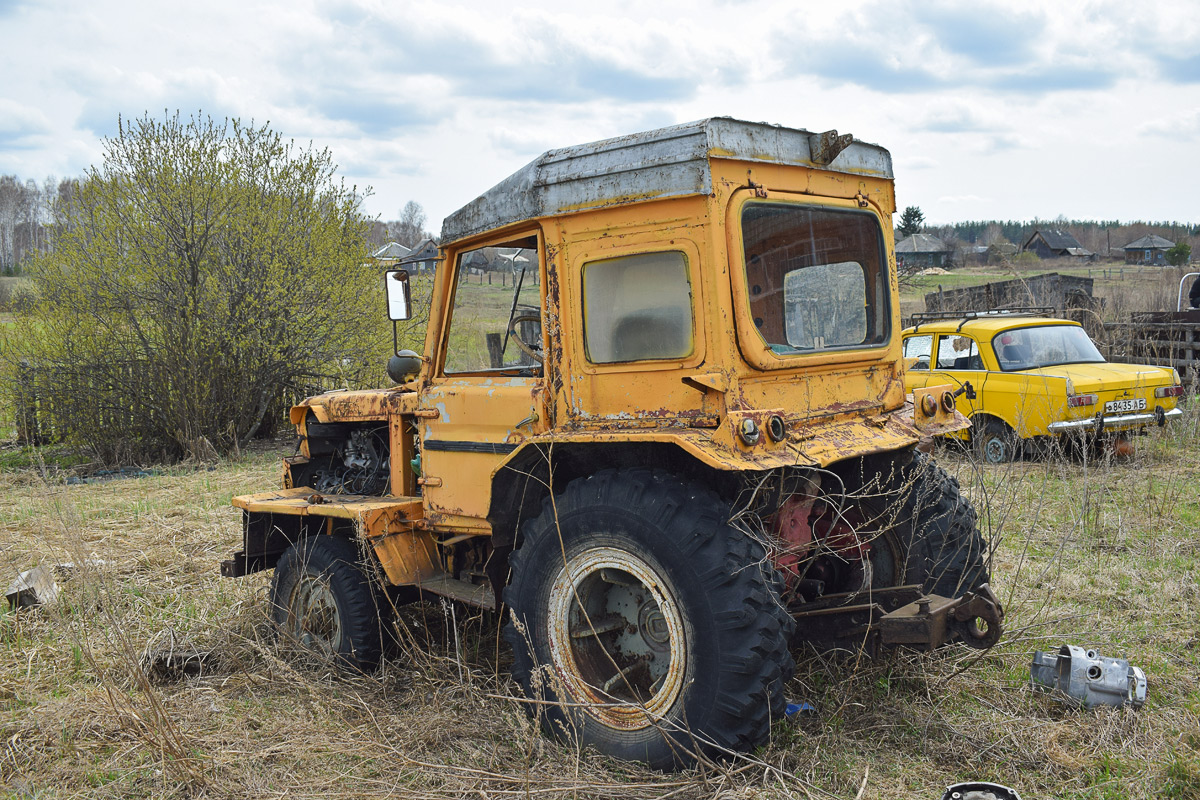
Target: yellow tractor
point(660, 423)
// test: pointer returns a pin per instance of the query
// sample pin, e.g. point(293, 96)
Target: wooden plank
point(478, 595)
point(346, 506)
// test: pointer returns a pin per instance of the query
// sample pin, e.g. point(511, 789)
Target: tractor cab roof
point(667, 162)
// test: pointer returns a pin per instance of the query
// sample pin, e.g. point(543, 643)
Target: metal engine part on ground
point(979, 791)
point(1086, 677)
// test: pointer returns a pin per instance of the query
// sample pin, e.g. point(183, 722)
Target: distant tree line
point(1099, 236)
point(27, 212)
point(409, 230)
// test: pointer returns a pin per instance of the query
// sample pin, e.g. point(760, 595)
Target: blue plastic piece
point(803, 707)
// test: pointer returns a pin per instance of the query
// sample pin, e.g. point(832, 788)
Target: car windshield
point(1044, 346)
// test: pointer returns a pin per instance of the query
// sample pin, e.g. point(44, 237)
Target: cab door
point(487, 393)
point(640, 333)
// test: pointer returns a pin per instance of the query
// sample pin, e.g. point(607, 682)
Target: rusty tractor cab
point(674, 444)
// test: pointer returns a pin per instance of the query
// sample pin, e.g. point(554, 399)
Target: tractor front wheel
point(323, 600)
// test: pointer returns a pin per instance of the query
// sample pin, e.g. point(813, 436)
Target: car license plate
point(1129, 404)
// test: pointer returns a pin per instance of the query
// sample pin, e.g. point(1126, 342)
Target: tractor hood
point(344, 406)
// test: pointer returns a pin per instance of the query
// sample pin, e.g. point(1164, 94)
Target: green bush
point(204, 271)
point(17, 294)
point(1179, 255)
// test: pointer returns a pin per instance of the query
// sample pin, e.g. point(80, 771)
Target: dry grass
point(1097, 554)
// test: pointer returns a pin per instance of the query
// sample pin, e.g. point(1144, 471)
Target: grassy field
point(1123, 289)
point(1101, 555)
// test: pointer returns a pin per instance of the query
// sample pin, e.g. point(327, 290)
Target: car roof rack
point(921, 317)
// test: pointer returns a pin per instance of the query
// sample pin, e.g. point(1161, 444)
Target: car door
point(956, 360)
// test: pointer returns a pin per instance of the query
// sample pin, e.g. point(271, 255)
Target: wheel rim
point(617, 638)
point(995, 450)
point(313, 618)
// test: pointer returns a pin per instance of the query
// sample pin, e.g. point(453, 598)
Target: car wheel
point(644, 625)
point(322, 599)
point(996, 443)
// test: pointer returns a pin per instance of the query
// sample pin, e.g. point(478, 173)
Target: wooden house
point(1056, 244)
point(1149, 249)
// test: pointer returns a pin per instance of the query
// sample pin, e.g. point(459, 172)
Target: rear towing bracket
point(900, 616)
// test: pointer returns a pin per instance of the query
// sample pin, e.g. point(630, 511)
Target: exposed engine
point(361, 465)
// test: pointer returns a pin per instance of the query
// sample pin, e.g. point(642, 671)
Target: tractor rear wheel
point(644, 625)
point(933, 538)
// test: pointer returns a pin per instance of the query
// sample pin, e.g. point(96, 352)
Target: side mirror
point(398, 299)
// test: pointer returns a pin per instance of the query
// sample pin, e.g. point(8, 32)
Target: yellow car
point(1032, 377)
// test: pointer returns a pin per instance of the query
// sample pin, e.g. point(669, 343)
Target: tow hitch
point(901, 615)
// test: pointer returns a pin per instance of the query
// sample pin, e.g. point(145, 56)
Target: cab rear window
point(816, 277)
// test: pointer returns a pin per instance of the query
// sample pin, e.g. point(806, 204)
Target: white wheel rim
point(617, 638)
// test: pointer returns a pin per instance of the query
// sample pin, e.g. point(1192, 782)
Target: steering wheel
point(533, 350)
point(922, 361)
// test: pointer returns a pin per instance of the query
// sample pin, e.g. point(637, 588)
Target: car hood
point(1100, 377)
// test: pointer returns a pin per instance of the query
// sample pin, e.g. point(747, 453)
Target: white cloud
point(437, 101)
point(1179, 126)
point(19, 121)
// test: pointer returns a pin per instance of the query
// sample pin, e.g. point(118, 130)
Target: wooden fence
point(38, 420)
point(1165, 339)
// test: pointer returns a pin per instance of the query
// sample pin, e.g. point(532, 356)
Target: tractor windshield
point(816, 277)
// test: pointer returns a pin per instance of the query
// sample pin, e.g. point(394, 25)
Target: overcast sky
point(1005, 110)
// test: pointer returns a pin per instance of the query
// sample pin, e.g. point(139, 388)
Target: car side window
point(956, 351)
point(919, 347)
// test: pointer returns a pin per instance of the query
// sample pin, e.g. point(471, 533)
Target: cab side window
point(958, 352)
point(637, 308)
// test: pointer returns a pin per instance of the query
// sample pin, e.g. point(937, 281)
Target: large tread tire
point(726, 600)
point(323, 599)
point(937, 531)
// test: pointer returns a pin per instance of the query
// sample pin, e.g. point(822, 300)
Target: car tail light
point(1077, 400)
point(1168, 391)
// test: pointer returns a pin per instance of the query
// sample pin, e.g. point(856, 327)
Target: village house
point(1056, 244)
point(921, 251)
point(390, 254)
point(1149, 249)
point(422, 258)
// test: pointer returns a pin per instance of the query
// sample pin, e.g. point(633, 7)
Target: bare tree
point(410, 228)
